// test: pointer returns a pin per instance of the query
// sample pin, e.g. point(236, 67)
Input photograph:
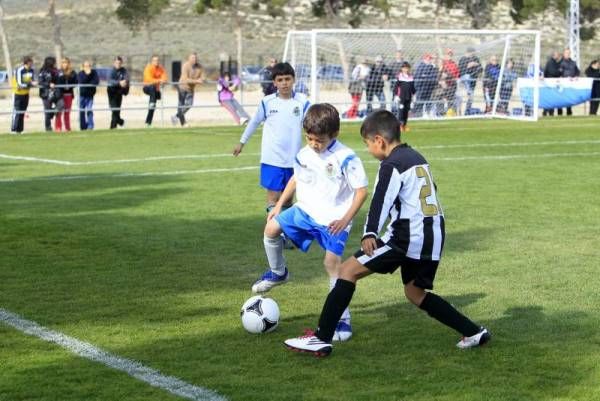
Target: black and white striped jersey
point(406, 195)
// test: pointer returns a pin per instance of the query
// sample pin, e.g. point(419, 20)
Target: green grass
point(155, 268)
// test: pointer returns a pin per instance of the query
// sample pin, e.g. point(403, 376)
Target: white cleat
point(476, 340)
point(269, 280)
point(309, 343)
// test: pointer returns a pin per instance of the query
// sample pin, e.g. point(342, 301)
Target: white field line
point(251, 168)
point(133, 368)
point(224, 155)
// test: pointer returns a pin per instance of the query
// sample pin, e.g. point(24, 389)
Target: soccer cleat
point(269, 280)
point(476, 340)
point(309, 343)
point(174, 120)
point(343, 331)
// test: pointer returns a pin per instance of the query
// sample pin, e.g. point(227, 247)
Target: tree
point(331, 9)
point(5, 47)
point(138, 14)
point(58, 44)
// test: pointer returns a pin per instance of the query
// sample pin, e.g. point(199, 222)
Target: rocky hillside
point(90, 29)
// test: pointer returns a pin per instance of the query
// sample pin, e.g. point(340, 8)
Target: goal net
point(456, 73)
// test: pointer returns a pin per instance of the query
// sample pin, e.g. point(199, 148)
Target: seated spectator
point(226, 85)
point(88, 80)
point(593, 71)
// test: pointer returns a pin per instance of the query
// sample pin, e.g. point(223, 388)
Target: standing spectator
point(22, 81)
point(449, 75)
point(154, 76)
point(266, 78)
point(192, 74)
point(358, 83)
point(470, 69)
point(426, 79)
point(47, 79)
point(568, 69)
point(593, 71)
point(375, 82)
point(403, 90)
point(394, 69)
point(509, 76)
point(67, 80)
point(88, 80)
point(491, 75)
point(118, 86)
point(226, 85)
point(552, 70)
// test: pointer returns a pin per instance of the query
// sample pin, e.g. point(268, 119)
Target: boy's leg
point(332, 263)
point(277, 273)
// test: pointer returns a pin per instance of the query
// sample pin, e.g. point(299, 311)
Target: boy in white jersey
point(331, 186)
point(406, 195)
point(282, 113)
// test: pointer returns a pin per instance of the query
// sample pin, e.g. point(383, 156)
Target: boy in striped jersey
point(330, 185)
point(406, 195)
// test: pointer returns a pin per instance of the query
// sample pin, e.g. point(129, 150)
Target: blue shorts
point(274, 178)
point(302, 230)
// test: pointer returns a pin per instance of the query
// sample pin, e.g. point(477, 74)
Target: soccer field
point(135, 249)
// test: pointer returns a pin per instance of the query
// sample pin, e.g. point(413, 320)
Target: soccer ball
point(260, 315)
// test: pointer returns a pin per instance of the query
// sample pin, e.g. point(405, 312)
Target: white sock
point(346, 314)
point(274, 251)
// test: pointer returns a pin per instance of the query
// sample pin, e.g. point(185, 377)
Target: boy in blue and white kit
point(282, 113)
point(330, 185)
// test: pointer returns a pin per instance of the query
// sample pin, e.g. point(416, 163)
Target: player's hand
point(369, 245)
point(337, 226)
point(238, 149)
point(274, 212)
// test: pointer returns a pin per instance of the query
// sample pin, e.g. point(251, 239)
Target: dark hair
point(27, 59)
point(282, 69)
point(381, 122)
point(119, 58)
point(321, 119)
point(49, 62)
point(405, 64)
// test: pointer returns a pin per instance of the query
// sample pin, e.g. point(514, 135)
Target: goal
point(457, 73)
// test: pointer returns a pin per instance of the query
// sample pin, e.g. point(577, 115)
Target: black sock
point(337, 301)
point(443, 312)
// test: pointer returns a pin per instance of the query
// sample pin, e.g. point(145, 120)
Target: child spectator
point(47, 79)
point(357, 85)
point(225, 88)
point(449, 74)
point(491, 75)
point(154, 76)
point(192, 74)
point(67, 80)
point(282, 113)
point(118, 86)
point(88, 80)
point(266, 78)
point(331, 186)
point(406, 195)
point(22, 80)
point(404, 89)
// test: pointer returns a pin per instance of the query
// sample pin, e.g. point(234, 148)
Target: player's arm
point(285, 199)
point(258, 118)
point(386, 191)
point(360, 195)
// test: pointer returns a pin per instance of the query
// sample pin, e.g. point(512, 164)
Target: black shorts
point(387, 259)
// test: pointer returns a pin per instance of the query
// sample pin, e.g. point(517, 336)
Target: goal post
point(457, 73)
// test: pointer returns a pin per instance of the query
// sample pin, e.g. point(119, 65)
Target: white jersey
point(325, 182)
point(282, 132)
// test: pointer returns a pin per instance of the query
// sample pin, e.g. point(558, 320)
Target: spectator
point(449, 75)
point(118, 86)
point(226, 85)
point(266, 78)
point(49, 94)
point(192, 74)
point(358, 83)
point(67, 80)
point(593, 71)
point(568, 69)
point(491, 75)
point(395, 68)
point(552, 70)
point(375, 82)
point(154, 76)
point(470, 69)
point(426, 79)
point(403, 90)
point(509, 76)
point(21, 81)
point(88, 80)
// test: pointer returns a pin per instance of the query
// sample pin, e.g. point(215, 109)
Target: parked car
point(251, 73)
point(331, 72)
point(3, 76)
point(103, 73)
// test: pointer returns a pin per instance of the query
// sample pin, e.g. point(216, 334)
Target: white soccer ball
point(260, 315)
